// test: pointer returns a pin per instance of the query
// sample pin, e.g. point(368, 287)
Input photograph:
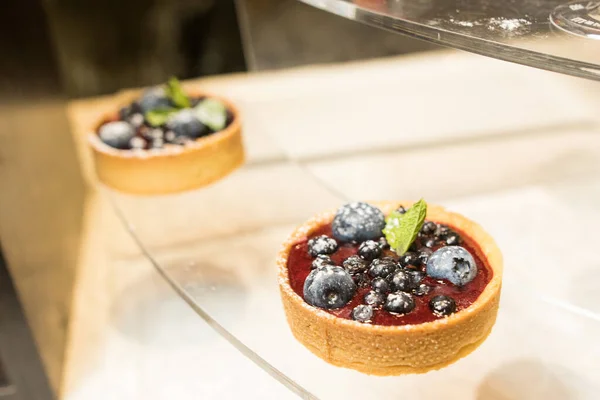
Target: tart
point(356, 303)
point(167, 141)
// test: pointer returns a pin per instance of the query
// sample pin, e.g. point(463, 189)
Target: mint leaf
point(212, 113)
point(176, 93)
point(159, 116)
point(402, 229)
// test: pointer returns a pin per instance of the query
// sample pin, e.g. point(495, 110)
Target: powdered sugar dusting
point(505, 24)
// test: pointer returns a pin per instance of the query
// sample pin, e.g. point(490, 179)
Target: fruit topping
point(354, 265)
point(424, 255)
point(382, 267)
point(422, 290)
point(401, 210)
point(321, 245)
point(117, 134)
point(361, 280)
point(136, 120)
point(374, 298)
point(365, 280)
point(369, 250)
point(428, 228)
point(357, 222)
point(185, 124)
point(430, 242)
point(137, 143)
point(329, 287)
point(321, 261)
point(380, 285)
point(416, 275)
point(157, 143)
point(168, 114)
point(362, 313)
point(453, 263)
point(410, 258)
point(442, 305)
point(452, 239)
point(399, 303)
point(402, 281)
point(154, 99)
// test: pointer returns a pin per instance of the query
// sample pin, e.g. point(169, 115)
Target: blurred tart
point(387, 290)
point(167, 141)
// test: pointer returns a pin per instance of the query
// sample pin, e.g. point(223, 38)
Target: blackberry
point(321, 245)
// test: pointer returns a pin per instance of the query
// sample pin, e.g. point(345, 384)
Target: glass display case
point(342, 104)
point(513, 148)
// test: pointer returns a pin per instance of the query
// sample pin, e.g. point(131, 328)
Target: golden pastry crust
point(394, 350)
point(171, 169)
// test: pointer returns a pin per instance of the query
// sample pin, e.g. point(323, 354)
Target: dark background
point(106, 45)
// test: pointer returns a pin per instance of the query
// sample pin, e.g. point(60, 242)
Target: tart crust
point(173, 168)
point(394, 350)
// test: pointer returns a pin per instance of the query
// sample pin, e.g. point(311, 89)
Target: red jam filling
point(299, 266)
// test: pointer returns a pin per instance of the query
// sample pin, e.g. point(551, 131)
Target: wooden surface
point(41, 211)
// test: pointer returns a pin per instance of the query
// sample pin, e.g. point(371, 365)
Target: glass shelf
point(554, 35)
point(217, 247)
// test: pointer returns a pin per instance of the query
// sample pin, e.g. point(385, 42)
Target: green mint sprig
point(212, 113)
point(160, 116)
point(175, 93)
point(402, 229)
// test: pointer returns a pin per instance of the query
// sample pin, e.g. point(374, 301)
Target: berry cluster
point(133, 130)
point(393, 282)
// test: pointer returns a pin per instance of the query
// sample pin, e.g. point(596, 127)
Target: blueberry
point(424, 255)
point(321, 245)
point(380, 285)
point(401, 210)
point(137, 143)
point(382, 267)
point(369, 250)
point(374, 299)
point(452, 239)
point(430, 242)
point(117, 134)
point(321, 261)
point(442, 305)
point(156, 133)
point(154, 99)
point(329, 287)
point(428, 228)
point(354, 264)
point(416, 276)
point(453, 263)
point(157, 144)
point(399, 303)
point(402, 281)
point(362, 313)
point(422, 290)
point(185, 123)
point(357, 222)
point(170, 136)
point(136, 120)
point(409, 258)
